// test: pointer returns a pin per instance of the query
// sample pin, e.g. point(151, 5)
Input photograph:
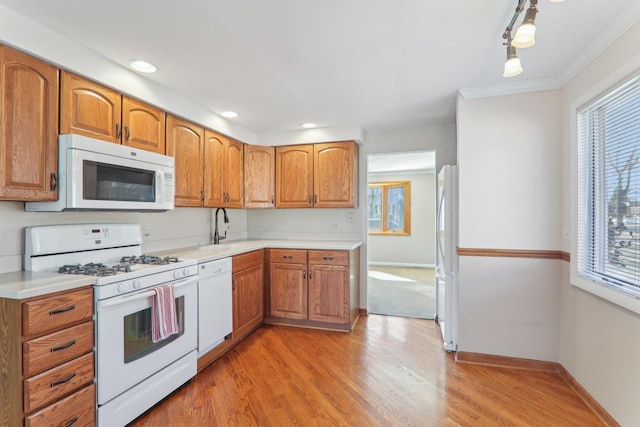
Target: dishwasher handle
point(214, 268)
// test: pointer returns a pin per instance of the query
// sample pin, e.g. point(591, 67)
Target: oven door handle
point(123, 299)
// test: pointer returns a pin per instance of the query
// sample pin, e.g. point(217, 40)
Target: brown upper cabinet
point(29, 131)
point(223, 171)
point(185, 143)
point(259, 176)
point(317, 175)
point(144, 126)
point(90, 109)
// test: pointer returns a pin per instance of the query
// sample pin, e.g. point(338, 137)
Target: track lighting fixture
point(525, 35)
point(512, 66)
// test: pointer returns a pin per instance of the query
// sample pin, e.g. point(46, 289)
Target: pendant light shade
point(526, 32)
point(512, 66)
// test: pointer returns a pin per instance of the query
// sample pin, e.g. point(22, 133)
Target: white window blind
point(609, 190)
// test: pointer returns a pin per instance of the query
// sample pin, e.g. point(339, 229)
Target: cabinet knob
point(127, 133)
point(54, 181)
point(118, 130)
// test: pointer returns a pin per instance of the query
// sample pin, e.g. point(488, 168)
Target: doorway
point(401, 210)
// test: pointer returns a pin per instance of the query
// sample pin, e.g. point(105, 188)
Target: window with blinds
point(608, 181)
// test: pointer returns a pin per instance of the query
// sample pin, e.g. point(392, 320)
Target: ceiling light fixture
point(308, 125)
point(512, 66)
point(526, 33)
point(229, 114)
point(143, 66)
point(525, 36)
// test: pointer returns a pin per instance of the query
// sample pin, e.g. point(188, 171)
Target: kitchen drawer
point(50, 385)
point(289, 256)
point(244, 261)
point(51, 350)
point(328, 257)
point(77, 410)
point(49, 314)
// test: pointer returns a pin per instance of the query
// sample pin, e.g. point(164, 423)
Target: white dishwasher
point(215, 316)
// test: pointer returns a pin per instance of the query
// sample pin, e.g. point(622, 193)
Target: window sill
point(608, 293)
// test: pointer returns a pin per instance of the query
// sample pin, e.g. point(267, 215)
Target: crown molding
point(510, 88)
point(607, 37)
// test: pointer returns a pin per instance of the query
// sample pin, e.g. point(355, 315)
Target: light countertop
point(212, 252)
point(27, 284)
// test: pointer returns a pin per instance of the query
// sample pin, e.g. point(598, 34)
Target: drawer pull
point(63, 346)
point(71, 422)
point(287, 256)
point(63, 380)
point(327, 258)
point(62, 310)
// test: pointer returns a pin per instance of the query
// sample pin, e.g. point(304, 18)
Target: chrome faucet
point(216, 236)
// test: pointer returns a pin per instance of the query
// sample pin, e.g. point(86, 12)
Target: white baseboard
point(402, 264)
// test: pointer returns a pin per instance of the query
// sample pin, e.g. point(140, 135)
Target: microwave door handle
point(159, 186)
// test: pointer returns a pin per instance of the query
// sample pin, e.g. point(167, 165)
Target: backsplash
point(183, 227)
point(180, 227)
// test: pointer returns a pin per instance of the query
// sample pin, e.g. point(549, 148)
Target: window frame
point(385, 185)
point(607, 291)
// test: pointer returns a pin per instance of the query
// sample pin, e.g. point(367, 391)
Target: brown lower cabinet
point(47, 364)
point(313, 288)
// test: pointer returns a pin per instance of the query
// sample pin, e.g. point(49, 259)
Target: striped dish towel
point(164, 320)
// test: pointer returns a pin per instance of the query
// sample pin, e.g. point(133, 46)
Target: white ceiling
point(371, 63)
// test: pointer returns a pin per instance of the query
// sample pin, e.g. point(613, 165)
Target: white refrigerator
point(447, 258)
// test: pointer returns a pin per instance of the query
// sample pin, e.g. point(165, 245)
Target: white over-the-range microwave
point(100, 175)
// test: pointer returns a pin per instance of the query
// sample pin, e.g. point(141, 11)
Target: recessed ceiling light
point(229, 114)
point(143, 66)
point(308, 125)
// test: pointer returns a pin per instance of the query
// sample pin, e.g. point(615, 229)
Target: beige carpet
point(402, 291)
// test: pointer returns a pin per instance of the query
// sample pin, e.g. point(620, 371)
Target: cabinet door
point(89, 109)
point(329, 293)
point(29, 135)
point(234, 173)
point(214, 160)
point(185, 143)
point(294, 176)
point(334, 175)
point(248, 299)
point(288, 290)
point(259, 176)
point(144, 126)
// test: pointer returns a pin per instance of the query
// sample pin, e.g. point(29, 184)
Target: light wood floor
point(389, 371)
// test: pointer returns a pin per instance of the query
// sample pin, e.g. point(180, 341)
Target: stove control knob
point(176, 274)
point(186, 272)
point(137, 283)
point(122, 287)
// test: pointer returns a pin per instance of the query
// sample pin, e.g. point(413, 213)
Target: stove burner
point(148, 259)
point(90, 269)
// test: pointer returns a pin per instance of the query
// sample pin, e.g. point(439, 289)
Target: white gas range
point(133, 372)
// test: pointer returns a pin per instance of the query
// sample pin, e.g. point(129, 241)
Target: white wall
point(599, 342)
point(418, 249)
point(509, 198)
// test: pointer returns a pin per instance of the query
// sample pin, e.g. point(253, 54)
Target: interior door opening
point(401, 210)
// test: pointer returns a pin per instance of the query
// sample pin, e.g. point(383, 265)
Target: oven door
point(126, 354)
